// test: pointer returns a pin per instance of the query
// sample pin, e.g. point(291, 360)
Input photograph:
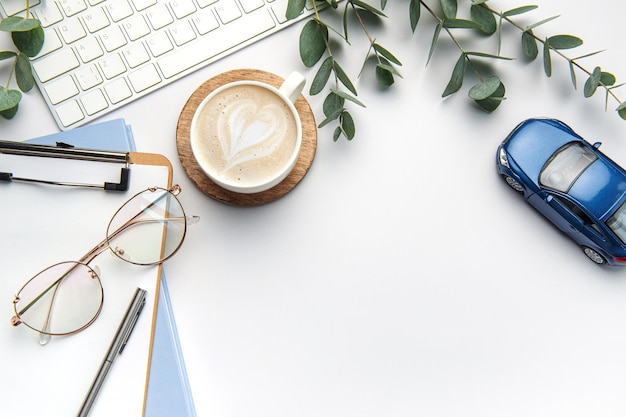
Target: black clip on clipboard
point(65, 151)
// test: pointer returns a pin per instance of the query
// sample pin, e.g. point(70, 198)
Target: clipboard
point(45, 224)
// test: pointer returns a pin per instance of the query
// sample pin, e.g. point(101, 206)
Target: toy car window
point(617, 222)
point(565, 166)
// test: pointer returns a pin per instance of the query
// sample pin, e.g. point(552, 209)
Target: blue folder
point(169, 393)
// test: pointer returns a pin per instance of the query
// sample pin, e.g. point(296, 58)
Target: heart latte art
point(247, 135)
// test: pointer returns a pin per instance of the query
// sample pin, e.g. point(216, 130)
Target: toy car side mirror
point(597, 145)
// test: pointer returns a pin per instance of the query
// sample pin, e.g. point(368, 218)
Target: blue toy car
point(571, 182)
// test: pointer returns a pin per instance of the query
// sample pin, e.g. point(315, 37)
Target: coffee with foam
point(245, 134)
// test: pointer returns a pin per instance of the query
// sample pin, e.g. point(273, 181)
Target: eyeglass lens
point(148, 228)
point(61, 299)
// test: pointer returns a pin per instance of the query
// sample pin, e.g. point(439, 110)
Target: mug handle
point(292, 86)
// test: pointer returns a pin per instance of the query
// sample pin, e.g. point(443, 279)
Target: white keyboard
point(99, 55)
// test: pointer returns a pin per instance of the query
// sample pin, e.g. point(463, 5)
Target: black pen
point(117, 345)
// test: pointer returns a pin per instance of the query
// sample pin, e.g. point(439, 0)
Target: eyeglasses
point(67, 297)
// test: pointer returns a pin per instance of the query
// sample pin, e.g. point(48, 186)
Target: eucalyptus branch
point(27, 36)
point(488, 92)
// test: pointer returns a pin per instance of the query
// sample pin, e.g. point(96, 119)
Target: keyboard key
point(118, 91)
point(136, 27)
point(71, 7)
point(51, 42)
point(206, 3)
point(94, 102)
point(227, 10)
point(205, 21)
point(48, 13)
point(143, 4)
point(71, 30)
point(182, 8)
point(119, 9)
point(51, 66)
point(12, 7)
point(136, 55)
point(95, 19)
point(159, 16)
point(69, 113)
point(89, 49)
point(112, 66)
point(159, 44)
point(280, 10)
point(112, 38)
point(88, 77)
point(251, 5)
point(182, 33)
point(144, 78)
point(61, 89)
point(208, 46)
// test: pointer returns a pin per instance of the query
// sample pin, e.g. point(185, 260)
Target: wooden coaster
point(183, 143)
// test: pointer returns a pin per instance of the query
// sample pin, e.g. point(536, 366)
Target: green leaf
point(529, 45)
point(29, 42)
point(9, 100)
point(484, 18)
point(433, 43)
point(384, 75)
point(564, 41)
point(591, 85)
point(572, 72)
point(367, 7)
point(18, 24)
point(322, 76)
point(460, 24)
point(414, 13)
point(547, 60)
point(607, 79)
point(486, 55)
point(331, 117)
point(541, 22)
point(336, 134)
point(485, 89)
point(519, 10)
point(492, 102)
point(24, 73)
point(456, 80)
point(449, 8)
point(347, 97)
point(332, 103)
point(7, 55)
point(388, 55)
point(313, 40)
point(343, 77)
point(294, 8)
point(477, 2)
point(621, 110)
point(347, 125)
point(383, 4)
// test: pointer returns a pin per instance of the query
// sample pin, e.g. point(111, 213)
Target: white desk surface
point(402, 277)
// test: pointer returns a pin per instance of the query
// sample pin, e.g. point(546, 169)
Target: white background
point(402, 277)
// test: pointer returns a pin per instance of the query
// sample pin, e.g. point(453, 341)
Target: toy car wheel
point(594, 256)
point(514, 184)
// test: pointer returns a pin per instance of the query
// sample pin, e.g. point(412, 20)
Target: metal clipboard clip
point(65, 151)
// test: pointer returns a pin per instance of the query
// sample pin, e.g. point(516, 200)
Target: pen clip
point(132, 325)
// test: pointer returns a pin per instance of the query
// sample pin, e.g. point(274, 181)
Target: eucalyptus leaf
point(547, 60)
point(621, 110)
point(384, 75)
point(347, 97)
point(519, 10)
point(18, 24)
point(294, 8)
point(368, 7)
point(322, 76)
point(486, 55)
point(564, 41)
point(331, 117)
point(388, 55)
point(7, 55)
point(485, 89)
point(24, 73)
point(460, 24)
point(9, 99)
point(572, 71)
point(414, 13)
point(343, 77)
point(477, 2)
point(592, 83)
point(541, 22)
point(433, 43)
point(383, 3)
point(529, 45)
point(456, 80)
point(492, 102)
point(313, 40)
point(607, 79)
point(336, 134)
point(484, 18)
point(332, 103)
point(347, 125)
point(449, 8)
point(29, 42)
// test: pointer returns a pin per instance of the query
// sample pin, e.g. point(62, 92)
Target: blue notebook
point(169, 393)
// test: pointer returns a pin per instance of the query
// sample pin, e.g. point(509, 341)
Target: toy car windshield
point(565, 166)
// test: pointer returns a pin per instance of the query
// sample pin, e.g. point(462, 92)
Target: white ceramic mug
point(246, 135)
